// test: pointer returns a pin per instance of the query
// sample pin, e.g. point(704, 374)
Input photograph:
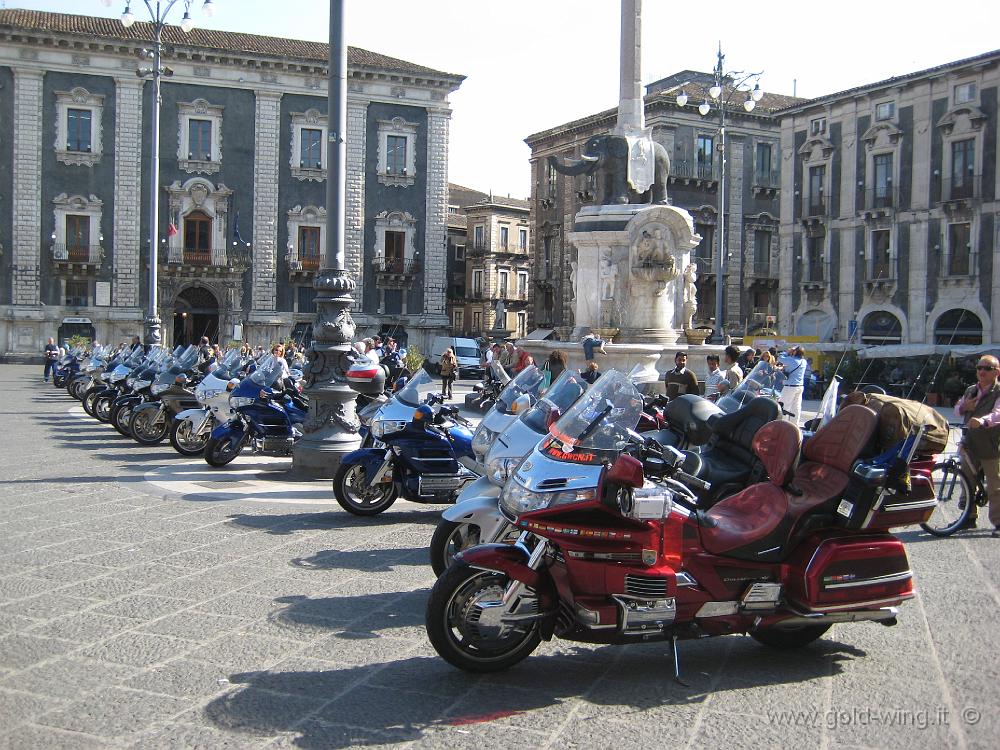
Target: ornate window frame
point(199, 194)
point(79, 98)
point(395, 221)
point(960, 123)
point(298, 217)
point(76, 205)
point(199, 109)
point(311, 119)
point(399, 127)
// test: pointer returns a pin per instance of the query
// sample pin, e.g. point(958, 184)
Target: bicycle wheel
point(954, 499)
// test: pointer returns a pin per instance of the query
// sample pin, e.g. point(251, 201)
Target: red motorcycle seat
point(744, 518)
point(818, 484)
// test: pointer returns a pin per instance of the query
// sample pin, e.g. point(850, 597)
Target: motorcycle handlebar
point(693, 481)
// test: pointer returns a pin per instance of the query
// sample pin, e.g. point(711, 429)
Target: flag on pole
point(172, 229)
point(236, 231)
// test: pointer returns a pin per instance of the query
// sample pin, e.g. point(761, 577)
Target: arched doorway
point(816, 323)
point(958, 327)
point(196, 314)
point(881, 327)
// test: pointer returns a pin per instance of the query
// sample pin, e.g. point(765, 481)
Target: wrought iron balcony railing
point(92, 254)
point(397, 266)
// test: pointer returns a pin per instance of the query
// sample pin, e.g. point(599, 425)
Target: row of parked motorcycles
point(605, 514)
point(598, 513)
point(210, 409)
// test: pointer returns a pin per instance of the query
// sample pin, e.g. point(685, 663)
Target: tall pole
point(153, 337)
point(720, 260)
point(331, 431)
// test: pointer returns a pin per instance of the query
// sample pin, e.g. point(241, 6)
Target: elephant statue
point(607, 155)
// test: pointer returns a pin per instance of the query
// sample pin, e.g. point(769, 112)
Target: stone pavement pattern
point(134, 616)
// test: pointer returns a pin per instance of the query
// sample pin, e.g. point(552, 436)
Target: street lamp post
point(158, 12)
point(724, 88)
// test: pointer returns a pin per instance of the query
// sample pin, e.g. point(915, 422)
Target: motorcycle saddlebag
point(850, 572)
point(869, 505)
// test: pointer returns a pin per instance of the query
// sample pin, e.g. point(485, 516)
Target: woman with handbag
point(449, 369)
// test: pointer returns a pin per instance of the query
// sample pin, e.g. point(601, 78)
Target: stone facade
point(242, 219)
point(889, 210)
point(692, 141)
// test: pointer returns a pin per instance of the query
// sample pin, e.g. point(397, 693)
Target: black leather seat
point(741, 426)
point(691, 414)
point(719, 468)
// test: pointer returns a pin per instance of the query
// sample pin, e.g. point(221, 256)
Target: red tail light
point(362, 374)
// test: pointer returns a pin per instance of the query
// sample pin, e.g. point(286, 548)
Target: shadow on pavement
point(292, 522)
point(370, 560)
point(332, 709)
point(350, 614)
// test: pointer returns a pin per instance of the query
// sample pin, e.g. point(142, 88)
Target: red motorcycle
point(614, 549)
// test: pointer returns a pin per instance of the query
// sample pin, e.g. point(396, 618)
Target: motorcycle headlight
point(159, 388)
point(237, 401)
point(383, 427)
point(500, 469)
point(517, 499)
point(482, 439)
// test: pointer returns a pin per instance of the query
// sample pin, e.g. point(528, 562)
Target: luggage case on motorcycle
point(844, 572)
point(898, 417)
point(869, 504)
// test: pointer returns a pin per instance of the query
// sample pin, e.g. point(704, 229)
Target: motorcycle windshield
point(761, 381)
point(529, 381)
point(267, 373)
point(371, 410)
point(417, 389)
point(498, 373)
point(560, 396)
point(185, 361)
point(596, 427)
point(231, 363)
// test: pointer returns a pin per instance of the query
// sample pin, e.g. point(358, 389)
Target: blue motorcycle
point(268, 416)
point(429, 460)
point(68, 366)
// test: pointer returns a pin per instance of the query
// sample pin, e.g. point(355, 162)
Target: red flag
point(171, 230)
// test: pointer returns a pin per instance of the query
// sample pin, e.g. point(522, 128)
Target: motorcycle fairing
point(230, 430)
point(512, 561)
point(370, 459)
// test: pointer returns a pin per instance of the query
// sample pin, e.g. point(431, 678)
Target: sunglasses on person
point(987, 368)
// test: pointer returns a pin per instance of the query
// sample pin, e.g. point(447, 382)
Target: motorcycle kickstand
point(677, 663)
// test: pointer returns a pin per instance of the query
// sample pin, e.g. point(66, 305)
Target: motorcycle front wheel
point(73, 387)
point(221, 452)
point(121, 416)
point(145, 429)
point(102, 409)
point(356, 495)
point(450, 538)
point(185, 441)
point(463, 622)
point(89, 400)
point(59, 381)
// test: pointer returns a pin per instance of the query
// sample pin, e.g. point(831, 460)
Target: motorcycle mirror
point(626, 471)
point(231, 384)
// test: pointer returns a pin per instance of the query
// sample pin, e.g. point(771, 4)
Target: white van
point(467, 351)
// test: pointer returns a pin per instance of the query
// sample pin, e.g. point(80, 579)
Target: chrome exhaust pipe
point(886, 616)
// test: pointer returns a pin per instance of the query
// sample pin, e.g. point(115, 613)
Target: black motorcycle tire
point(179, 445)
point(59, 381)
point(452, 584)
point(142, 429)
point(342, 492)
point(121, 416)
point(71, 387)
point(789, 638)
point(102, 408)
point(88, 401)
point(442, 543)
point(221, 452)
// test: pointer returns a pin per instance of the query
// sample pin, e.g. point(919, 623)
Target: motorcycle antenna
point(871, 361)
point(951, 339)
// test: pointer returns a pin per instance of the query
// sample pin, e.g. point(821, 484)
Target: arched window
point(881, 327)
point(958, 327)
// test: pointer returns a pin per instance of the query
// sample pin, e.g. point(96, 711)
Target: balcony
point(880, 201)
point(511, 296)
point(766, 184)
point(959, 194)
point(960, 268)
point(217, 262)
point(880, 278)
point(77, 258)
point(816, 207)
point(476, 249)
point(698, 174)
point(762, 273)
point(395, 273)
point(302, 267)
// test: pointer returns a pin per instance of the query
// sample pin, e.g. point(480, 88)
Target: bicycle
point(954, 491)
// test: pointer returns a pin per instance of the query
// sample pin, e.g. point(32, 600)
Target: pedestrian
point(523, 360)
point(794, 368)
point(449, 368)
point(715, 377)
point(51, 359)
point(592, 343)
point(377, 351)
point(556, 365)
point(216, 352)
point(278, 350)
point(979, 409)
point(508, 355)
point(136, 344)
point(733, 372)
point(680, 380)
point(591, 372)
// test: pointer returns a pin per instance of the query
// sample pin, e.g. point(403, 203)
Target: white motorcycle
point(192, 428)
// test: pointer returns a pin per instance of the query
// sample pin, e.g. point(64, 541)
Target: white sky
point(533, 64)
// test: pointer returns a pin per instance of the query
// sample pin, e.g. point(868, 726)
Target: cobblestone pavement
point(135, 616)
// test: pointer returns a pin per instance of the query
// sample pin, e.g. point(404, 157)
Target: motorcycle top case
point(868, 505)
point(849, 572)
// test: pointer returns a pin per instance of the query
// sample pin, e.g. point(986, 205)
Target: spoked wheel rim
point(187, 440)
point(361, 493)
point(472, 620)
point(954, 499)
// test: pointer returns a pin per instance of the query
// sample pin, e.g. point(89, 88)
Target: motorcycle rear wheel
point(184, 442)
point(121, 416)
point(222, 452)
point(354, 494)
point(450, 538)
point(102, 409)
point(454, 622)
point(786, 638)
point(145, 430)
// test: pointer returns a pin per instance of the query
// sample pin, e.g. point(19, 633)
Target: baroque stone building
point(242, 189)
point(692, 141)
point(889, 206)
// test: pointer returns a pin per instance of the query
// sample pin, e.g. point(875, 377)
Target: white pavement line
point(942, 680)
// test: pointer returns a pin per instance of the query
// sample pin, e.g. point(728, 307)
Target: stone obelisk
point(631, 114)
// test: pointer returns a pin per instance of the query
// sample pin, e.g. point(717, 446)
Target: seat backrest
point(840, 441)
point(741, 426)
point(777, 445)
